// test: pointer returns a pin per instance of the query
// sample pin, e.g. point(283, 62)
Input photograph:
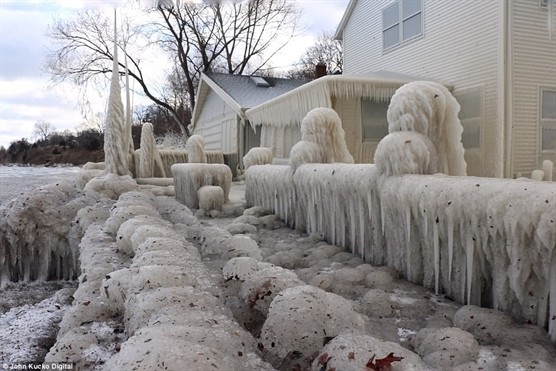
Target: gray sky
point(25, 95)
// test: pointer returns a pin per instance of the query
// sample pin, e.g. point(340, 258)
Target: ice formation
point(34, 230)
point(322, 139)
point(301, 318)
point(115, 136)
point(258, 156)
point(189, 178)
point(146, 152)
point(482, 241)
point(211, 198)
point(428, 108)
point(195, 147)
point(547, 168)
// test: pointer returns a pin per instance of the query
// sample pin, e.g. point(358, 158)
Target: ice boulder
point(261, 287)
point(111, 185)
point(301, 319)
point(211, 198)
point(128, 228)
point(240, 268)
point(352, 352)
point(242, 245)
point(122, 213)
point(445, 348)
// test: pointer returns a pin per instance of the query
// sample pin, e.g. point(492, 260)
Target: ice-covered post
point(195, 147)
point(115, 136)
point(146, 152)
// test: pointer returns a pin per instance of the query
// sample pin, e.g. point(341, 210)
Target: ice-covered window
point(401, 21)
point(548, 120)
point(471, 118)
point(374, 124)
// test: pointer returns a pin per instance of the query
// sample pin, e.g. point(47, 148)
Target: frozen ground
point(394, 310)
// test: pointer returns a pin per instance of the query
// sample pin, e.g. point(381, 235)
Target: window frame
point(479, 119)
point(545, 121)
point(400, 24)
point(374, 140)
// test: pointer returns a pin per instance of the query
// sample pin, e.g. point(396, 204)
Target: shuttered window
point(401, 21)
point(374, 124)
point(548, 120)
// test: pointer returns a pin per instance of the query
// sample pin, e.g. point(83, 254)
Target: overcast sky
point(25, 95)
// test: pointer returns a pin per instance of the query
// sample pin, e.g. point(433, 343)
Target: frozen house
point(499, 57)
point(360, 100)
point(219, 115)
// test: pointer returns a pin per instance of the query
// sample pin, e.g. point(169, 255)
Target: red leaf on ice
point(323, 359)
point(383, 364)
point(351, 355)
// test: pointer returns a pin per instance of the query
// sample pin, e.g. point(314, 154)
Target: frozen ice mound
point(211, 198)
point(240, 268)
point(121, 213)
point(261, 287)
point(301, 319)
point(128, 228)
point(446, 348)
point(111, 185)
point(34, 234)
point(189, 178)
point(351, 352)
point(242, 245)
point(405, 152)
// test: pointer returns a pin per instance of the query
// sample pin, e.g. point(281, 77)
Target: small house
point(219, 114)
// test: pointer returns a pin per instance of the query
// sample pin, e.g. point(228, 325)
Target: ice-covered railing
point(483, 241)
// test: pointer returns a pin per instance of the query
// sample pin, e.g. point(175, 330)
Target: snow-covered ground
point(404, 317)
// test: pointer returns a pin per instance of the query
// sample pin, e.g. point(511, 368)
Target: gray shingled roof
point(244, 91)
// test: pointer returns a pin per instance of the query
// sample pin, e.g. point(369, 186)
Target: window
point(471, 118)
point(374, 124)
point(548, 120)
point(401, 21)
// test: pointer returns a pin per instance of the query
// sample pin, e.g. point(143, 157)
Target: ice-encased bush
point(428, 108)
point(322, 140)
point(258, 156)
point(301, 318)
point(34, 230)
point(405, 152)
point(189, 178)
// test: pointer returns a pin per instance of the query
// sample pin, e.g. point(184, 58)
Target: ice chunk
point(189, 178)
point(211, 198)
point(258, 156)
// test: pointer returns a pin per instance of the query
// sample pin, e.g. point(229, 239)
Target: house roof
point(339, 35)
point(290, 108)
point(242, 92)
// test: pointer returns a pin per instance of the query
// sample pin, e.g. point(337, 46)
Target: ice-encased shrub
point(189, 178)
point(211, 198)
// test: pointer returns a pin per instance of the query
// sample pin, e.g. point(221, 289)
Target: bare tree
point(43, 129)
point(327, 51)
point(233, 37)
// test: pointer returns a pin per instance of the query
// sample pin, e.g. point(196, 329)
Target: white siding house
point(219, 115)
point(499, 56)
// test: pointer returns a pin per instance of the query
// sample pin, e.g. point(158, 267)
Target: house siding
point(533, 57)
point(449, 50)
point(217, 123)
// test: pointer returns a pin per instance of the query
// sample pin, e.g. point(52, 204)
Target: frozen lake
point(15, 180)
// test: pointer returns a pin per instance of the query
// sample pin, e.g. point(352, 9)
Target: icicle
point(552, 304)
point(436, 243)
point(469, 253)
point(362, 230)
point(450, 247)
point(408, 225)
point(351, 221)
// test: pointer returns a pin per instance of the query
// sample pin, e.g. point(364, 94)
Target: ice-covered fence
point(189, 178)
point(484, 241)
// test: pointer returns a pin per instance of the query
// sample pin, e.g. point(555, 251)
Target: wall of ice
point(482, 241)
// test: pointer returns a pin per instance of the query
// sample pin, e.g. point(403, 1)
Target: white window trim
point(479, 89)
point(401, 19)
point(543, 122)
